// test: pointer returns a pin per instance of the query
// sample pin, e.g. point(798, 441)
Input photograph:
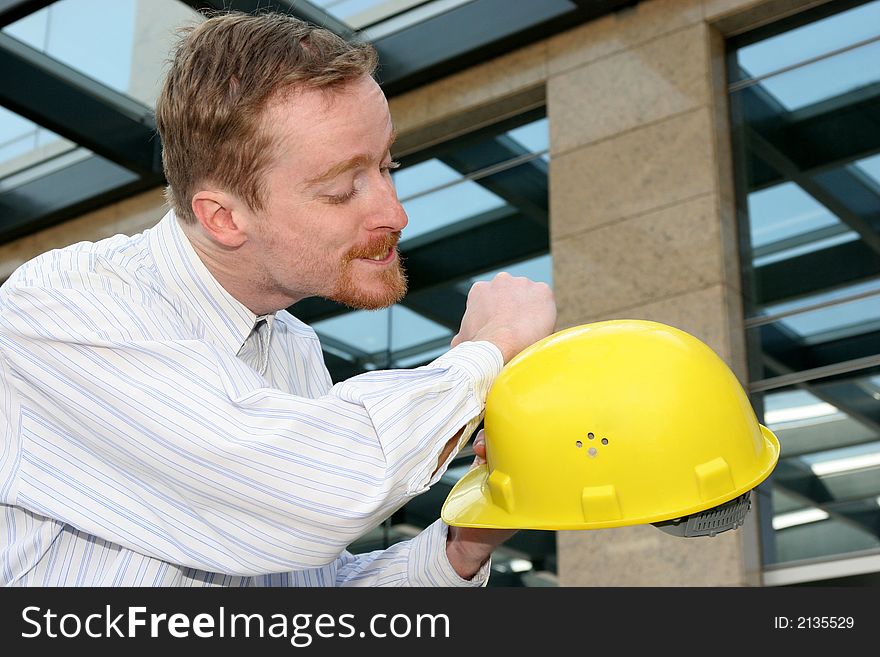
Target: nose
point(387, 212)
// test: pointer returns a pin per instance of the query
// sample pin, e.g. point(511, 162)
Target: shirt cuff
point(429, 565)
point(481, 360)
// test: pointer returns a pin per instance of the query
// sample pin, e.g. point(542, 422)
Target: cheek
point(312, 232)
point(325, 260)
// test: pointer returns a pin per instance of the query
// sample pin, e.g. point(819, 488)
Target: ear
point(220, 215)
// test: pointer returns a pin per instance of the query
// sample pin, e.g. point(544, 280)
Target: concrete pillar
point(642, 228)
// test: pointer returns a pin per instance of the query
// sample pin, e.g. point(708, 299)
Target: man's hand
point(467, 548)
point(511, 312)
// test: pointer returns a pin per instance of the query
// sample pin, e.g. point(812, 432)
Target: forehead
point(315, 128)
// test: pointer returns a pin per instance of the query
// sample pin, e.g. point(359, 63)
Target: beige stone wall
point(642, 216)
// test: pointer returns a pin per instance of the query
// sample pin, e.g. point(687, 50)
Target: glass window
point(538, 269)
point(827, 329)
point(120, 43)
point(826, 488)
point(24, 143)
point(421, 178)
point(786, 221)
point(93, 36)
point(824, 79)
point(870, 166)
point(370, 338)
point(434, 210)
point(807, 158)
point(534, 137)
point(360, 14)
point(811, 41)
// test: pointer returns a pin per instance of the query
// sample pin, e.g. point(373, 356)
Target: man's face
point(332, 220)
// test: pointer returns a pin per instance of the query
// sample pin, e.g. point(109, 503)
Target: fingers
point(480, 444)
point(512, 312)
point(479, 447)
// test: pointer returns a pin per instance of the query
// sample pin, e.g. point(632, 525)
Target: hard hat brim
point(470, 504)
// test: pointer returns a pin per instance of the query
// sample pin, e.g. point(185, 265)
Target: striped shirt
point(155, 432)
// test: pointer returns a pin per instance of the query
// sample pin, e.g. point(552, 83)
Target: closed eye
point(338, 199)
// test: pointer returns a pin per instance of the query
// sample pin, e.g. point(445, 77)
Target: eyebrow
point(346, 165)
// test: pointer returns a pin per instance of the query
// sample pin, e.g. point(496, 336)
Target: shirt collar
point(229, 322)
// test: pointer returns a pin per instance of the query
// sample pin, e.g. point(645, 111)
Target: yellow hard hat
point(616, 423)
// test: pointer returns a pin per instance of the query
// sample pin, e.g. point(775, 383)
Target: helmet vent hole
point(592, 451)
point(604, 441)
point(591, 435)
point(579, 444)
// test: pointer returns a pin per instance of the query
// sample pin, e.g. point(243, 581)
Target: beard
point(383, 289)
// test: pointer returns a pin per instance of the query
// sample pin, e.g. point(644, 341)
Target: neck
point(237, 273)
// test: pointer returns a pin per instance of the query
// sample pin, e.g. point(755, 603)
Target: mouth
point(382, 258)
point(381, 251)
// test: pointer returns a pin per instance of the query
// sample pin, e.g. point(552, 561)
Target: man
point(165, 421)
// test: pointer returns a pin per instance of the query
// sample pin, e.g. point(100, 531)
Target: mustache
point(378, 246)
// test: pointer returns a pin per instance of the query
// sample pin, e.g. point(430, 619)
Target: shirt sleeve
point(420, 561)
point(143, 435)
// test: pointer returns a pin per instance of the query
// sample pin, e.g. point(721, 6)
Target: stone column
point(642, 227)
